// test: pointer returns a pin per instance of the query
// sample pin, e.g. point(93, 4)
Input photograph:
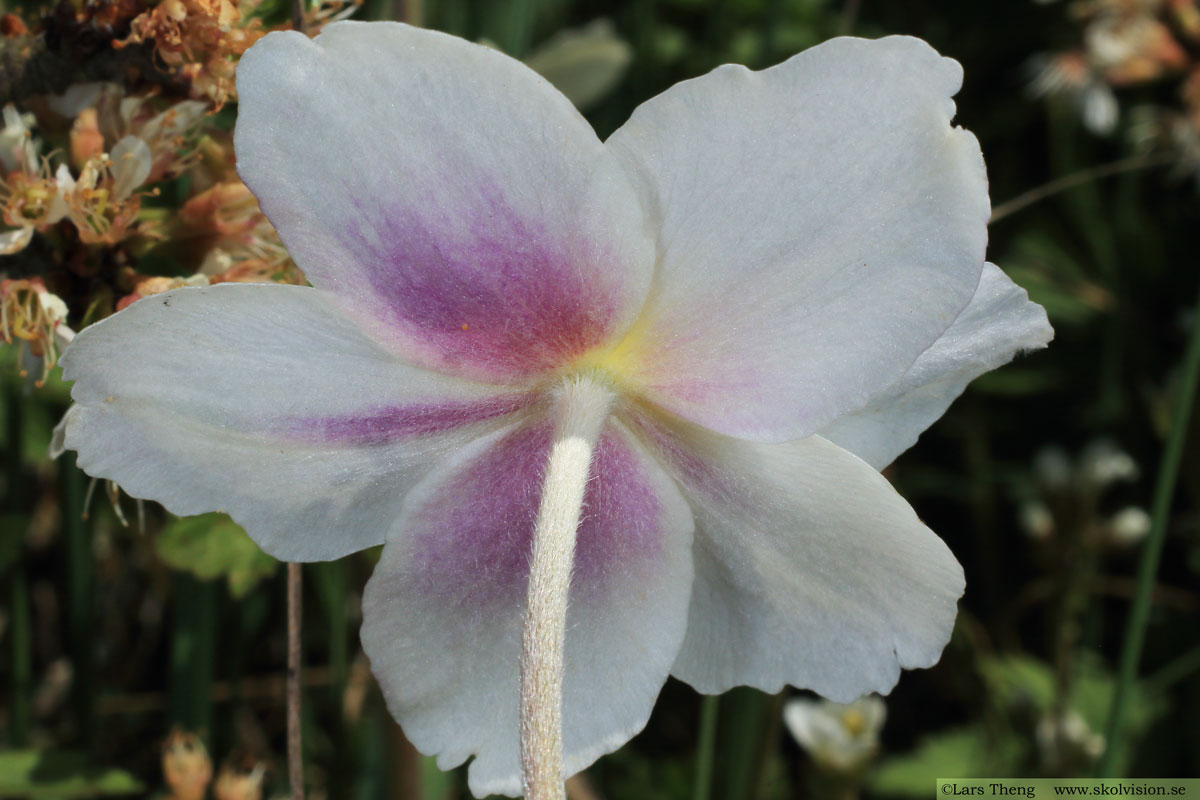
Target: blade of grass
point(193, 633)
point(509, 25)
point(741, 735)
point(706, 747)
point(1176, 671)
point(1164, 491)
point(22, 659)
point(80, 597)
point(21, 662)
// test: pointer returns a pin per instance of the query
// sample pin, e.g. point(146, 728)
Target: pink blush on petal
point(482, 290)
point(472, 537)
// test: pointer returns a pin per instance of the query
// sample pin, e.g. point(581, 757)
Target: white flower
point(1102, 463)
point(767, 285)
point(1064, 738)
point(1129, 526)
point(839, 737)
point(18, 151)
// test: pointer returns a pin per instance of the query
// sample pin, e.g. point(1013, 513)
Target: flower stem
point(1164, 491)
point(294, 753)
point(583, 406)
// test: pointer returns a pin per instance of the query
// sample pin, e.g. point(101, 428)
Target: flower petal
point(822, 225)
point(15, 241)
point(999, 323)
point(446, 193)
point(442, 614)
point(263, 401)
point(809, 569)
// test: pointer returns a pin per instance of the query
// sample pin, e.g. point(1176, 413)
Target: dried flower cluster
point(105, 187)
point(1126, 44)
point(187, 771)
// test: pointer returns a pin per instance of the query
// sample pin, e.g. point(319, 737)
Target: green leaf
point(61, 774)
point(212, 546)
point(964, 752)
point(1017, 681)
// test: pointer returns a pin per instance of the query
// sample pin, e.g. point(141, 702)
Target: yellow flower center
point(853, 721)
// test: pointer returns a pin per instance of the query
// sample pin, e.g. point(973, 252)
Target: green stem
point(1174, 672)
point(80, 596)
point(772, 22)
point(706, 748)
point(22, 659)
point(743, 732)
point(193, 638)
point(22, 649)
point(1164, 491)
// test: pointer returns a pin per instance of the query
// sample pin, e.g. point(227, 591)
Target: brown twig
point(294, 756)
point(298, 15)
point(1038, 193)
point(253, 690)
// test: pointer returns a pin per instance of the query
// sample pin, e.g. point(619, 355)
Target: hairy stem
point(583, 406)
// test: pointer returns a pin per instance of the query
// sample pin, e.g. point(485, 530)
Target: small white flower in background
point(1128, 526)
point(1066, 739)
point(840, 737)
point(18, 150)
point(1069, 75)
point(1102, 464)
point(30, 198)
point(1074, 488)
point(767, 285)
point(584, 63)
point(1053, 468)
point(1037, 520)
point(34, 319)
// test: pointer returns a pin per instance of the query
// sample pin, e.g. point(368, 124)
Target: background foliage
point(113, 634)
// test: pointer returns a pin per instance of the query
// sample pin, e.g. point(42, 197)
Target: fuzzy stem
point(583, 405)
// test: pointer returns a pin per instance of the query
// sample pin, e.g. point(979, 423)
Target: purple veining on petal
point(384, 425)
point(690, 468)
point(483, 288)
point(475, 534)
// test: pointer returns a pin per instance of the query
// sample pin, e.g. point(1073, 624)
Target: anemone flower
point(690, 349)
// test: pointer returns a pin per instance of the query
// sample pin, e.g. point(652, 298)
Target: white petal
point(263, 401)
point(809, 569)
point(999, 323)
point(822, 225)
point(76, 98)
point(445, 192)
point(64, 184)
point(131, 165)
point(442, 613)
point(15, 241)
